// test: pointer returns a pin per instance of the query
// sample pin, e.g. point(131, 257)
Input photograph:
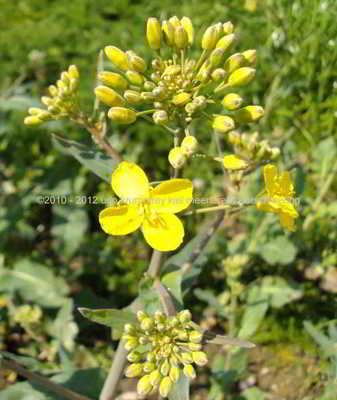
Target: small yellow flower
point(234, 162)
point(152, 209)
point(277, 196)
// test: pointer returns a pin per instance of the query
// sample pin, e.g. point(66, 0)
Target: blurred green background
point(55, 257)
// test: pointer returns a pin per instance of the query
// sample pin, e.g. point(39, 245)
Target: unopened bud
point(189, 144)
point(117, 57)
point(216, 57)
point(155, 377)
point(149, 367)
point(44, 115)
point(180, 37)
point(174, 21)
point(131, 344)
point(112, 79)
point(174, 374)
point(148, 85)
point(122, 115)
point(141, 315)
point(135, 78)
point(232, 101)
point(249, 114)
point(73, 72)
point(168, 30)
point(241, 76)
point(34, 110)
point(146, 324)
point(209, 38)
point(165, 386)
point(134, 370)
point(177, 157)
point(234, 137)
point(223, 124)
point(165, 368)
point(234, 162)
point(144, 386)
point(53, 90)
point(186, 358)
point(250, 56)
point(226, 42)
point(136, 63)
point(228, 27)
point(234, 62)
point(195, 337)
point(47, 101)
point(189, 371)
point(218, 74)
point(160, 117)
point(132, 97)
point(108, 96)
point(275, 152)
point(200, 358)
point(190, 108)
point(32, 120)
point(134, 356)
point(153, 33)
point(194, 346)
point(185, 316)
point(181, 99)
point(188, 26)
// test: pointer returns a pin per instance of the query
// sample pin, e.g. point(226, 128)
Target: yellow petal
point(234, 162)
point(172, 196)
point(164, 232)
point(130, 182)
point(287, 222)
point(121, 220)
point(287, 187)
point(270, 175)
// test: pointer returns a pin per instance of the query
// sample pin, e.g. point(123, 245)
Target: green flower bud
point(47, 101)
point(182, 335)
point(153, 33)
point(117, 57)
point(234, 138)
point(136, 63)
point(108, 96)
point(148, 97)
point(33, 120)
point(185, 316)
point(143, 340)
point(200, 358)
point(250, 56)
point(165, 386)
point(114, 80)
point(168, 30)
point(122, 115)
point(232, 101)
point(155, 377)
point(134, 356)
point(165, 368)
point(275, 152)
point(189, 144)
point(134, 370)
point(135, 78)
point(131, 344)
point(177, 157)
point(226, 42)
point(180, 37)
point(132, 97)
point(147, 323)
point(159, 92)
point(174, 374)
point(53, 90)
point(149, 86)
point(188, 26)
point(241, 76)
point(160, 117)
point(144, 386)
point(73, 72)
point(172, 70)
point(228, 28)
point(218, 74)
point(223, 124)
point(234, 62)
point(65, 78)
point(44, 115)
point(186, 358)
point(194, 346)
point(190, 108)
point(189, 371)
point(216, 57)
point(195, 337)
point(249, 114)
point(209, 38)
point(181, 99)
point(34, 110)
point(149, 367)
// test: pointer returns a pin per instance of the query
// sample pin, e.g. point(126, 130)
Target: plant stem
point(154, 267)
point(32, 376)
point(103, 143)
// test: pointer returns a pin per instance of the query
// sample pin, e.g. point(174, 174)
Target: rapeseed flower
point(151, 209)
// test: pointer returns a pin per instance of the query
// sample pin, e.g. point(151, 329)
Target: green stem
point(154, 267)
point(208, 209)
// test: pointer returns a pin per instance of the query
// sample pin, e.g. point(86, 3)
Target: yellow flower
point(151, 209)
point(277, 196)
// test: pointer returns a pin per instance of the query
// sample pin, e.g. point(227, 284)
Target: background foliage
point(55, 258)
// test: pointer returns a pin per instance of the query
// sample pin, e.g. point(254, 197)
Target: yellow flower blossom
point(277, 197)
point(151, 209)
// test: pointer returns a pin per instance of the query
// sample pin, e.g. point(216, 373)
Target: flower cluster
point(62, 102)
point(173, 346)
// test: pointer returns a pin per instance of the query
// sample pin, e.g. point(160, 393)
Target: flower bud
point(65, 78)
point(218, 74)
point(134, 356)
point(148, 97)
point(132, 97)
point(44, 115)
point(131, 344)
point(53, 90)
point(188, 26)
point(34, 110)
point(117, 57)
point(112, 79)
point(155, 377)
point(177, 157)
point(186, 358)
point(226, 42)
point(143, 340)
point(194, 346)
point(108, 96)
point(234, 138)
point(136, 63)
point(148, 85)
point(250, 56)
point(122, 115)
point(168, 30)
point(147, 324)
point(195, 337)
point(144, 386)
point(47, 101)
point(200, 358)
point(73, 72)
point(73, 85)
point(223, 124)
point(32, 120)
point(190, 108)
point(149, 367)
point(181, 99)
point(234, 62)
point(189, 144)
point(216, 57)
point(234, 162)
point(228, 28)
point(174, 21)
point(275, 152)
point(189, 371)
point(185, 316)
point(134, 370)
point(141, 315)
point(165, 368)
point(232, 101)
point(249, 114)
point(209, 38)
point(135, 78)
point(174, 374)
point(153, 33)
point(160, 117)
point(180, 37)
point(165, 386)
point(241, 76)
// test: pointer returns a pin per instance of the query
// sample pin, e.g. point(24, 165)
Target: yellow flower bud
point(275, 152)
point(189, 144)
point(65, 78)
point(174, 21)
point(108, 96)
point(194, 346)
point(147, 323)
point(186, 358)
point(226, 42)
point(234, 62)
point(34, 110)
point(174, 374)
point(136, 63)
point(165, 368)
point(44, 115)
point(204, 72)
point(165, 386)
point(218, 74)
point(168, 30)
point(232, 101)
point(250, 56)
point(53, 91)
point(223, 124)
point(185, 316)
point(141, 315)
point(200, 358)
point(181, 99)
point(148, 97)
point(149, 367)
point(153, 33)
point(180, 37)
point(47, 101)
point(131, 344)
point(112, 79)
point(160, 117)
point(189, 371)
point(241, 76)
point(134, 370)
point(135, 78)
point(234, 137)
point(73, 72)
point(132, 97)
point(117, 57)
point(155, 378)
point(249, 114)
point(188, 26)
point(177, 157)
point(228, 27)
point(144, 386)
point(134, 356)
point(33, 120)
point(122, 115)
point(216, 57)
point(234, 162)
point(209, 38)
point(195, 337)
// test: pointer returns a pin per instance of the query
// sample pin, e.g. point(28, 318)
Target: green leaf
point(172, 281)
point(28, 362)
point(327, 344)
point(279, 291)
point(254, 393)
point(34, 282)
point(208, 296)
point(99, 163)
point(110, 317)
point(212, 338)
point(181, 389)
point(278, 251)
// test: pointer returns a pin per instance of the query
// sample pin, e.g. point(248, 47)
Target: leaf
point(327, 344)
point(110, 317)
point(99, 163)
point(279, 291)
point(172, 281)
point(278, 251)
point(29, 362)
point(207, 296)
point(181, 389)
point(69, 226)
point(212, 338)
point(254, 393)
point(18, 102)
point(34, 282)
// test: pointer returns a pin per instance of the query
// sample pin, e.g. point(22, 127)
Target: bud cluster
point(62, 101)
point(173, 346)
